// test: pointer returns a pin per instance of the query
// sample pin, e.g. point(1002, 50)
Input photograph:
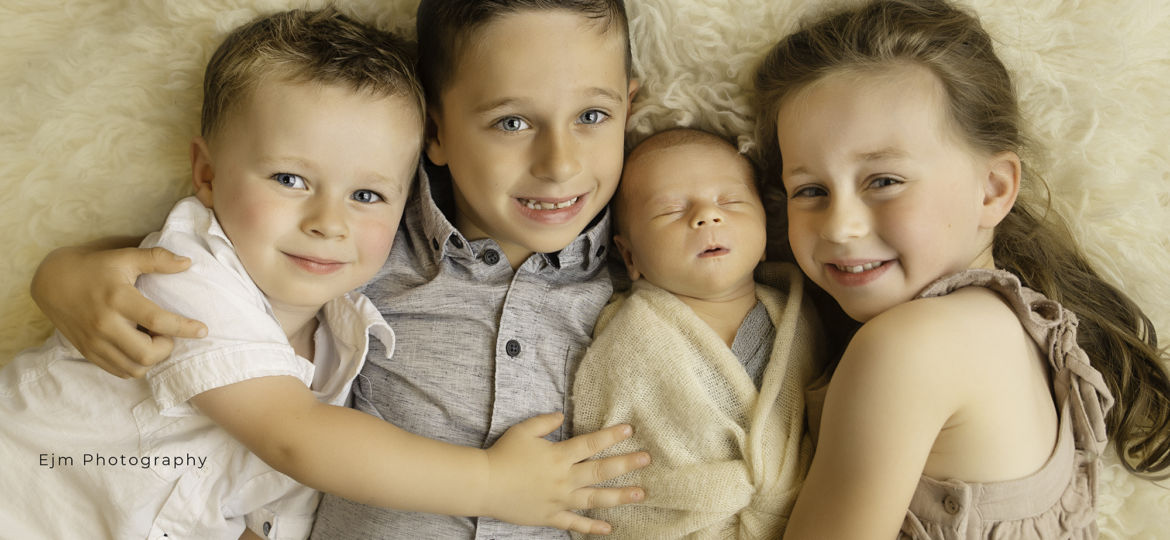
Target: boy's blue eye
point(592, 116)
point(288, 180)
point(511, 124)
point(366, 196)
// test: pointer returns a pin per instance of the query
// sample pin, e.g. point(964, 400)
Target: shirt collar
point(433, 201)
point(353, 317)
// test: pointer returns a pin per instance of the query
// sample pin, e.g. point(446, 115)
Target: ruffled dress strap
point(1074, 380)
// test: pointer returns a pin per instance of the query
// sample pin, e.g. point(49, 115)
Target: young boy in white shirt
point(500, 268)
point(312, 125)
point(708, 354)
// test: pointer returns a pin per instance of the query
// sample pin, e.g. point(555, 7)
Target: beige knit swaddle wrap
point(727, 460)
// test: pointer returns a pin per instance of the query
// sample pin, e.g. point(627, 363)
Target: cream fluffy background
point(99, 98)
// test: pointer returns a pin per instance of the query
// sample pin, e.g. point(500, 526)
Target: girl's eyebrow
point(884, 154)
point(888, 152)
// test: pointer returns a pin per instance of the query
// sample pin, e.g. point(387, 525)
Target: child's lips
point(714, 251)
point(551, 211)
point(857, 273)
point(316, 265)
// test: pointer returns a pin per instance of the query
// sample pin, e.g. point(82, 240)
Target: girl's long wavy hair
point(1032, 241)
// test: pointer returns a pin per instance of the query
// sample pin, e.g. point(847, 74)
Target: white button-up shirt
point(86, 454)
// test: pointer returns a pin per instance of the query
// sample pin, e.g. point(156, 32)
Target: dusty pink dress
point(1059, 500)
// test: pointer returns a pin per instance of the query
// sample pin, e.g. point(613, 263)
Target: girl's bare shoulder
point(935, 344)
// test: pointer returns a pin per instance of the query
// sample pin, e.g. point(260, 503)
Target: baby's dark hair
point(445, 26)
point(1032, 242)
point(322, 46)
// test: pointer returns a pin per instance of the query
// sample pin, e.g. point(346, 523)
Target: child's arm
point(887, 401)
point(522, 479)
point(88, 293)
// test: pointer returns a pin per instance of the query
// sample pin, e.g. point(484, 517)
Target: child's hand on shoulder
point(88, 293)
point(533, 481)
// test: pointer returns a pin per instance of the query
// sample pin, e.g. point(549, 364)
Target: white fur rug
point(99, 99)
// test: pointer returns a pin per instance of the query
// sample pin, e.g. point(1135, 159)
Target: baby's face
point(692, 221)
point(309, 183)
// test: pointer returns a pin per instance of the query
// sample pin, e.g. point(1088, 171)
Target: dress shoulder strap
point(1075, 381)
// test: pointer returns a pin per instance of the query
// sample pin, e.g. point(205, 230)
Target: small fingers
point(588, 445)
point(131, 349)
point(539, 426)
point(109, 357)
point(597, 471)
point(160, 260)
point(586, 498)
point(158, 321)
point(577, 523)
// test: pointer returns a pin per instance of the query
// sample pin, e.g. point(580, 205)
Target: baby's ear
point(202, 170)
point(1001, 188)
point(627, 257)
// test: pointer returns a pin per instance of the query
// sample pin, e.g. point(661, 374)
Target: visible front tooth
point(859, 268)
point(537, 205)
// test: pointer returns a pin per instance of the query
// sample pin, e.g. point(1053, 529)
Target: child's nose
point(557, 157)
point(706, 216)
point(325, 219)
point(845, 220)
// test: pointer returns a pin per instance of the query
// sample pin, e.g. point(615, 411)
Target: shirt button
point(455, 241)
point(267, 527)
point(512, 348)
point(951, 505)
point(600, 251)
point(435, 244)
point(491, 257)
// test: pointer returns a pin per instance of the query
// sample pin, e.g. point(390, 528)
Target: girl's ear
point(1001, 188)
point(202, 171)
point(627, 257)
point(432, 144)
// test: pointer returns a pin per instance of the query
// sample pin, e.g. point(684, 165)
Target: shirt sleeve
point(244, 340)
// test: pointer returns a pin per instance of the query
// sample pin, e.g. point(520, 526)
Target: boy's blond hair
point(319, 46)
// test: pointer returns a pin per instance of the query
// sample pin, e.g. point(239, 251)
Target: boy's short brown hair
point(306, 46)
point(443, 28)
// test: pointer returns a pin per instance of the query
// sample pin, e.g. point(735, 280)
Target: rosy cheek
point(375, 238)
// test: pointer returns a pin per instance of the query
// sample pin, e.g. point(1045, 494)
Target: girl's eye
point(511, 124)
point(884, 181)
point(807, 192)
point(592, 116)
point(290, 181)
point(366, 196)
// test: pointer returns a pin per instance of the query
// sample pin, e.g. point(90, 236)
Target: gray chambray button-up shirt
point(479, 348)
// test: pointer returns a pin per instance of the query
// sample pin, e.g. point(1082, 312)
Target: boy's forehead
point(541, 50)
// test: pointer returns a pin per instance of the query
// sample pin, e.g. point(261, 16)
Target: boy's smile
point(532, 126)
point(309, 182)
